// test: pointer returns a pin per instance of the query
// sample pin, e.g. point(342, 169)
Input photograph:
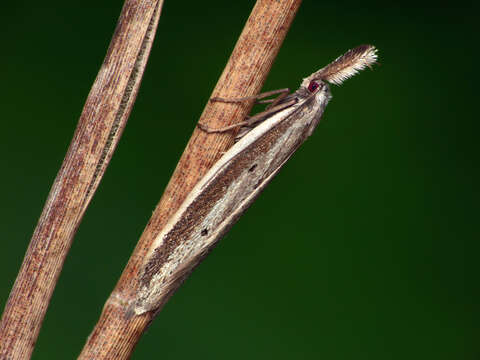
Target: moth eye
point(313, 86)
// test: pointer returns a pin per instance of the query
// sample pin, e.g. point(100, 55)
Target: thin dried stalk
point(115, 335)
point(99, 129)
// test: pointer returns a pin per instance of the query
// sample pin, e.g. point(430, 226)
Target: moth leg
point(262, 116)
point(278, 99)
point(244, 130)
point(269, 111)
point(256, 97)
point(251, 121)
point(223, 129)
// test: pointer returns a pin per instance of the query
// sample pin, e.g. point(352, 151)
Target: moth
point(237, 178)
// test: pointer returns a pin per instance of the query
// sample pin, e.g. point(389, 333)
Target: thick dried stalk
point(115, 335)
point(99, 129)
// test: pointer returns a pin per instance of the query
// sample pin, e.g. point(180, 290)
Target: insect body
point(237, 178)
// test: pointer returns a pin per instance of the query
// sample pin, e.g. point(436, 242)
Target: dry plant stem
point(100, 126)
point(114, 336)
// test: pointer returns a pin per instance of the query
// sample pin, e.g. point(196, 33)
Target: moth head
point(344, 67)
point(317, 88)
point(314, 86)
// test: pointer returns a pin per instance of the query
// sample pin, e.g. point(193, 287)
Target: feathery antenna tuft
point(347, 65)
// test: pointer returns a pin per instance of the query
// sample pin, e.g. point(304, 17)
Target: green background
point(365, 246)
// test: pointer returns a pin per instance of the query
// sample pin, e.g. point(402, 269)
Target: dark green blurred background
point(365, 246)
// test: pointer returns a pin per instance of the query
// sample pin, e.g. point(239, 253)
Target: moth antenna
point(347, 65)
